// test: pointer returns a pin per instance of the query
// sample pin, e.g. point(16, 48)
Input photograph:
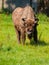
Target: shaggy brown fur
point(24, 22)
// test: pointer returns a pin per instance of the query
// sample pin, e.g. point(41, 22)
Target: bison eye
point(23, 19)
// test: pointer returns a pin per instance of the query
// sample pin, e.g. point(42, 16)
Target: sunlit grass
point(11, 53)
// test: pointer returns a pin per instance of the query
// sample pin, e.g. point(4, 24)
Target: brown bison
point(25, 22)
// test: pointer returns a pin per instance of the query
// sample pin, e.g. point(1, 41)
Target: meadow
point(12, 53)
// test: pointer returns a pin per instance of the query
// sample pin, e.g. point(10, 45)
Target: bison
point(25, 23)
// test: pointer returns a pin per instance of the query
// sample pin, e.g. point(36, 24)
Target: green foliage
point(43, 18)
point(12, 53)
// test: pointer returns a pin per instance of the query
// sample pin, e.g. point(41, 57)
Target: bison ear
point(36, 20)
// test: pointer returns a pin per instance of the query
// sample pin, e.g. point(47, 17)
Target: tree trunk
point(2, 4)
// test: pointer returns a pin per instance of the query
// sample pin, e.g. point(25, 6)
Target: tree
point(2, 4)
point(31, 3)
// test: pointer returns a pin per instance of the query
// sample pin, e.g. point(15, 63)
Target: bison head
point(29, 25)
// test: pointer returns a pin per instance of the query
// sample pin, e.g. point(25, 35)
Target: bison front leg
point(23, 37)
point(18, 35)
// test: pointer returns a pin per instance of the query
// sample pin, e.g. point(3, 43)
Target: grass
point(13, 54)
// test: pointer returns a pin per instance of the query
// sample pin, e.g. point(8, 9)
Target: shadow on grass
point(42, 43)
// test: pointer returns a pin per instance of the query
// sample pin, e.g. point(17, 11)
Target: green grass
point(13, 54)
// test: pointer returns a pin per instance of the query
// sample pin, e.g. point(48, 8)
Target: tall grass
point(11, 53)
